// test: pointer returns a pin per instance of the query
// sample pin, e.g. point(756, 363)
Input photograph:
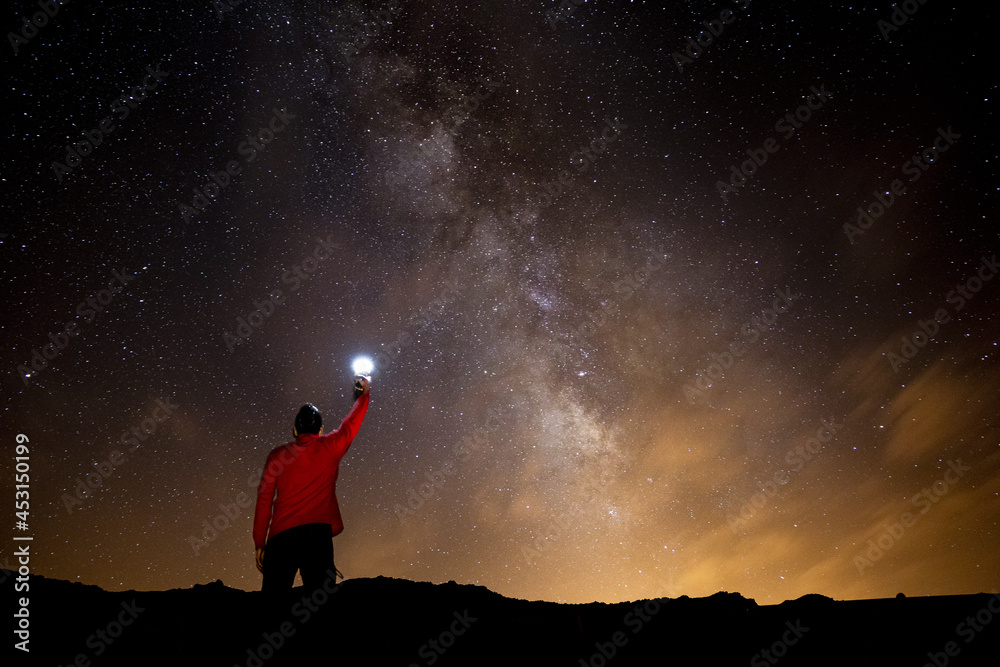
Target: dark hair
point(308, 420)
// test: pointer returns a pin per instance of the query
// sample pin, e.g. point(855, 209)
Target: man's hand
point(259, 559)
point(361, 385)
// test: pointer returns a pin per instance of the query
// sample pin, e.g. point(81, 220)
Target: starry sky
point(664, 298)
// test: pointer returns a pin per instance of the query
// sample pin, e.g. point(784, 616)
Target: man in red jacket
point(293, 531)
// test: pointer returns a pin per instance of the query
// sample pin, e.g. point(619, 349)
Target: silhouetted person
point(292, 529)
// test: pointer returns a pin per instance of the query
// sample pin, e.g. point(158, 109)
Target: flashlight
point(362, 367)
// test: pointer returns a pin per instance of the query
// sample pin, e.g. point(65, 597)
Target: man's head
point(308, 420)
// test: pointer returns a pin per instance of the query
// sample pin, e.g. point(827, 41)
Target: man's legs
point(317, 556)
point(279, 563)
point(307, 548)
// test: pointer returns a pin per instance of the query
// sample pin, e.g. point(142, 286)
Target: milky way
point(662, 300)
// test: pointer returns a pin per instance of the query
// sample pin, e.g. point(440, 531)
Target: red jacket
point(304, 473)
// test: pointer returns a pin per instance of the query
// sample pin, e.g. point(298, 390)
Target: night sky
point(650, 317)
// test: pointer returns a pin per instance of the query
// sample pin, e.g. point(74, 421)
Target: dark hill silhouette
point(384, 621)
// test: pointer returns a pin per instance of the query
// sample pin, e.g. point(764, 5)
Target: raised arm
point(342, 438)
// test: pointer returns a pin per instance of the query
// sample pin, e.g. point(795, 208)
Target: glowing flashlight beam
point(363, 366)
